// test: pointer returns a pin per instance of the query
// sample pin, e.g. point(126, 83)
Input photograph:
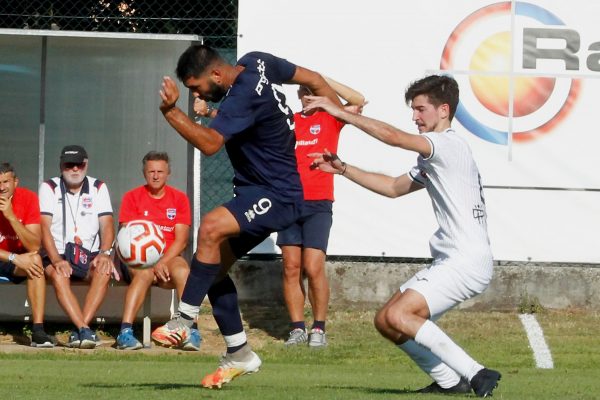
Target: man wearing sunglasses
point(77, 236)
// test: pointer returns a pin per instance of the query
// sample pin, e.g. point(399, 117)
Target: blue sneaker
point(73, 340)
point(126, 340)
point(192, 343)
point(87, 338)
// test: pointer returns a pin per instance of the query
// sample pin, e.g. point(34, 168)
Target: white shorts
point(448, 283)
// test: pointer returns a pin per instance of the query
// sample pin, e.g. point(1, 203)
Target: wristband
point(345, 167)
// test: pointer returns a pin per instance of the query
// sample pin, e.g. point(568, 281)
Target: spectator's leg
point(95, 295)
point(65, 296)
point(36, 293)
point(136, 292)
point(293, 289)
point(318, 286)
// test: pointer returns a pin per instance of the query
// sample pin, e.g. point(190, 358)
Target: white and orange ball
point(140, 244)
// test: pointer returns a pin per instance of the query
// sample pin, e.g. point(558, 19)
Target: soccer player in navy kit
point(256, 127)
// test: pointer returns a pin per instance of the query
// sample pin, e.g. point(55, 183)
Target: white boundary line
point(541, 352)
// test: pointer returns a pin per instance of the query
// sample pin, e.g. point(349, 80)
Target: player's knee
point(291, 269)
point(210, 232)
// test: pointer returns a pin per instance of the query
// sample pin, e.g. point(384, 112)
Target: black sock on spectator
point(125, 325)
point(298, 325)
point(38, 327)
point(319, 325)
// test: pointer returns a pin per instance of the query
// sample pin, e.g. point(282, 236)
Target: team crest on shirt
point(171, 213)
point(315, 129)
point(86, 202)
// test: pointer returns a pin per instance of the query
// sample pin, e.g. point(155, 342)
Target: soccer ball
point(140, 244)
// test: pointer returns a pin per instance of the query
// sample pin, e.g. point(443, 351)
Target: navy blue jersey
point(258, 126)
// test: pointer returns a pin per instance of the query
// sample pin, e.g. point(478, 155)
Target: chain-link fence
point(215, 21)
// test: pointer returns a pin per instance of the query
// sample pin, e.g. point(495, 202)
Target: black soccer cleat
point(462, 387)
point(485, 381)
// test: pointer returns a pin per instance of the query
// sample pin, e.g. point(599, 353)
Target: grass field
point(357, 365)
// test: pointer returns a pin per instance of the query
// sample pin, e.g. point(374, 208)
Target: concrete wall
point(357, 284)
point(514, 285)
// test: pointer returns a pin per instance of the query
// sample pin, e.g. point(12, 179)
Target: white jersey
point(82, 211)
point(452, 180)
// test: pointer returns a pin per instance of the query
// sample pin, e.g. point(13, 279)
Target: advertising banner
point(529, 77)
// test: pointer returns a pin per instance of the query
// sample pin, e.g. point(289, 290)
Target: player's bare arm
point(205, 139)
point(317, 84)
point(382, 184)
point(104, 262)
point(382, 131)
point(351, 96)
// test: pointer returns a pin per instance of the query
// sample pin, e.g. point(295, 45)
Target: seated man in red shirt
point(20, 240)
point(168, 208)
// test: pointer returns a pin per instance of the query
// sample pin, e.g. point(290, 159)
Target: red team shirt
point(171, 209)
point(26, 207)
point(314, 133)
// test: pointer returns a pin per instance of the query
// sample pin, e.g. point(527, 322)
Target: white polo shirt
point(82, 211)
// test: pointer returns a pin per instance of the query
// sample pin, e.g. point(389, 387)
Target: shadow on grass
point(369, 390)
point(155, 386)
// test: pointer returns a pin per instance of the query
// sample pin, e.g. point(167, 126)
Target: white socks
point(189, 310)
point(433, 338)
point(445, 376)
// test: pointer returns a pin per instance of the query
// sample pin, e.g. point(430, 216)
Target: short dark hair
point(6, 167)
point(440, 89)
point(155, 156)
point(195, 60)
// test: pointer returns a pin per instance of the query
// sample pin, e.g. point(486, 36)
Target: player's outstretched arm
point(205, 139)
point(316, 83)
point(351, 96)
point(375, 128)
point(382, 184)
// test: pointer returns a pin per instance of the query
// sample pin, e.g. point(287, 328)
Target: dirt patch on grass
point(263, 324)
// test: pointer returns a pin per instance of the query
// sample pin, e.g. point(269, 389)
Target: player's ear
point(217, 75)
point(444, 110)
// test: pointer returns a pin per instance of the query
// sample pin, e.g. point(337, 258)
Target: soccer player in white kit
point(462, 259)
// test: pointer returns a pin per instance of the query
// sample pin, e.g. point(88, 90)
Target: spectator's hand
point(201, 107)
point(327, 162)
point(63, 268)
point(31, 263)
point(323, 103)
point(6, 208)
point(161, 271)
point(103, 263)
point(169, 94)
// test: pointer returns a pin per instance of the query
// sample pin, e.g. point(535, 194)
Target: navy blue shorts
point(312, 228)
point(7, 271)
point(259, 212)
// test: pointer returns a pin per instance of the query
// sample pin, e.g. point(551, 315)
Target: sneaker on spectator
point(41, 340)
point(192, 342)
point(230, 369)
point(126, 340)
point(297, 336)
point(74, 340)
point(87, 338)
point(317, 338)
point(172, 334)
